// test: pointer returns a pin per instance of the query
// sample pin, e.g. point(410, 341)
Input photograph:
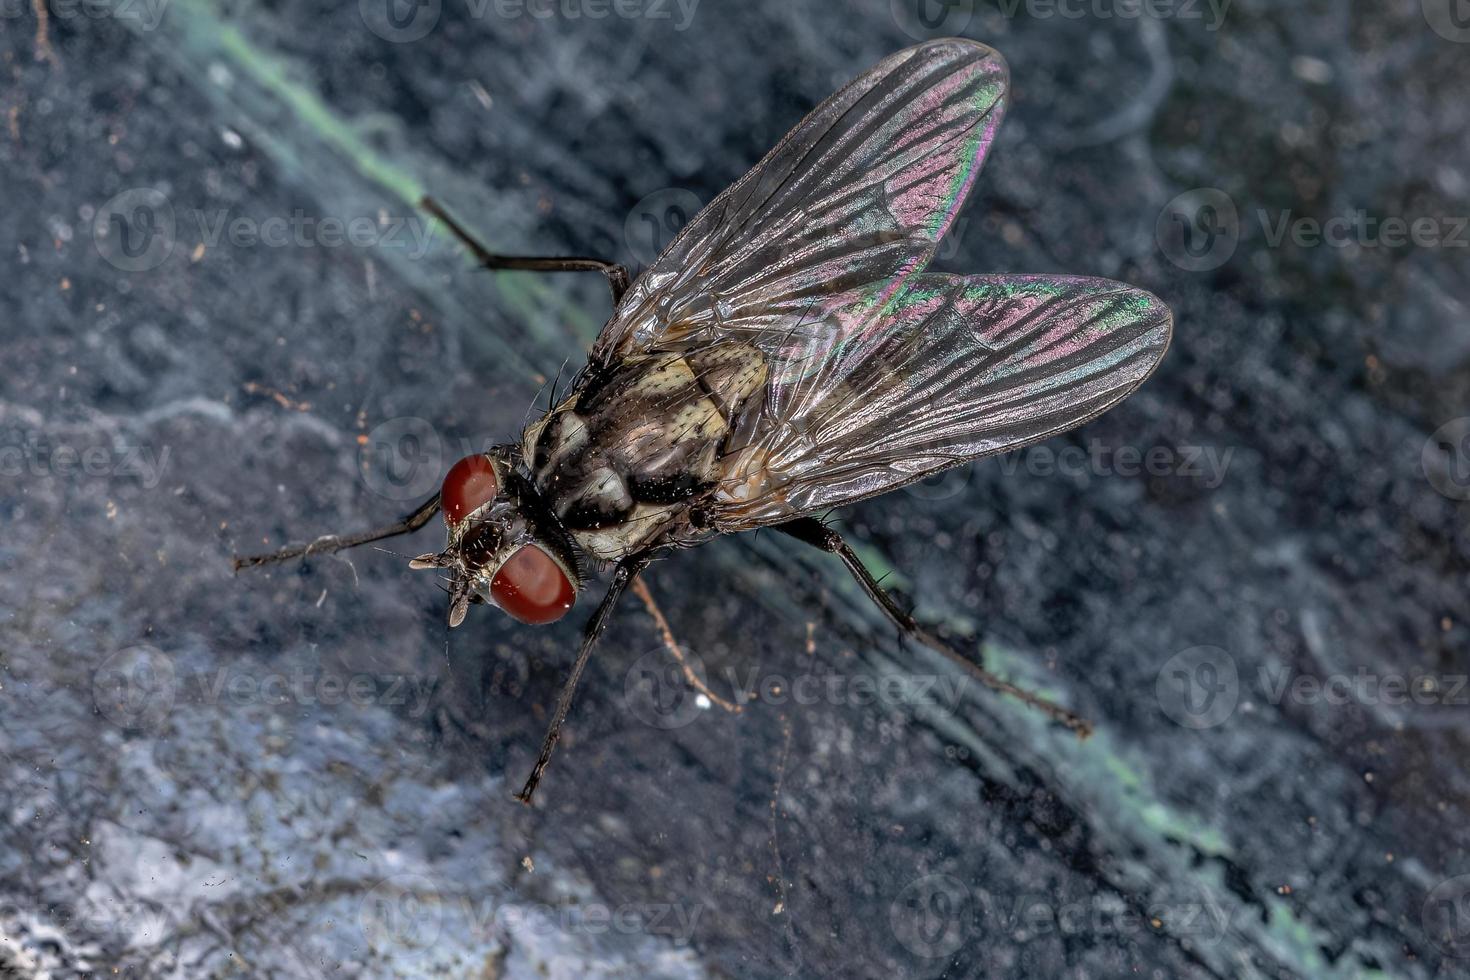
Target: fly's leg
point(329, 543)
point(627, 570)
point(817, 534)
point(617, 276)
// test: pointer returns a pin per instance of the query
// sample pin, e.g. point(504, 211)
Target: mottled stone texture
point(301, 773)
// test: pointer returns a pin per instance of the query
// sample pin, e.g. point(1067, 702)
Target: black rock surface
point(1237, 575)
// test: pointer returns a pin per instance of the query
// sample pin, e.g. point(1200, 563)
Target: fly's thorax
point(638, 441)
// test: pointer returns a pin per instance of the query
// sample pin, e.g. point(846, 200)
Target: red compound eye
point(469, 484)
point(532, 587)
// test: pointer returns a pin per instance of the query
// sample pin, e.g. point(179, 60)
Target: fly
point(788, 354)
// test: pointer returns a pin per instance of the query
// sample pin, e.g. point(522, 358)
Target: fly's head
point(504, 548)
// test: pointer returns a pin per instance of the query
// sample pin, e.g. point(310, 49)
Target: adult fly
point(787, 354)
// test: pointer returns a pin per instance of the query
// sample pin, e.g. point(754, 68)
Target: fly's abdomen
point(633, 444)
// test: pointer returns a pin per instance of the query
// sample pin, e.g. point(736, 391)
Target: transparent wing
point(860, 192)
point(878, 374)
point(949, 370)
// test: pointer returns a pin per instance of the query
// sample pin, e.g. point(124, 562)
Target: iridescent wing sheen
point(948, 370)
point(878, 374)
point(860, 192)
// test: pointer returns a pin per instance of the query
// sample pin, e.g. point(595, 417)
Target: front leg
point(627, 570)
point(328, 543)
point(817, 534)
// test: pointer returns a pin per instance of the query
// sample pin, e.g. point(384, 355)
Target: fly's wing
point(878, 375)
point(860, 192)
point(955, 368)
